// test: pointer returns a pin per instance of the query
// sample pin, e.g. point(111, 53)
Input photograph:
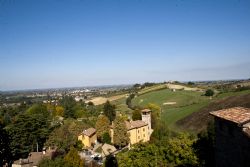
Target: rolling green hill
point(166, 98)
point(175, 105)
point(198, 121)
point(184, 110)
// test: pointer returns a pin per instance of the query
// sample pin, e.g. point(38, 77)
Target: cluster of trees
point(121, 137)
point(136, 115)
point(205, 146)
point(8, 114)
point(65, 136)
point(109, 111)
point(102, 129)
point(71, 159)
point(28, 127)
point(141, 86)
point(31, 127)
point(168, 148)
point(191, 83)
point(129, 101)
point(104, 123)
point(176, 151)
point(5, 155)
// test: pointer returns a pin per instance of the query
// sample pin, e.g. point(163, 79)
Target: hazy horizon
point(53, 44)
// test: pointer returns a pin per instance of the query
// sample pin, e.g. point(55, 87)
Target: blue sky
point(63, 43)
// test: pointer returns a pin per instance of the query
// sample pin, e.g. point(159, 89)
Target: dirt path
point(177, 87)
point(101, 100)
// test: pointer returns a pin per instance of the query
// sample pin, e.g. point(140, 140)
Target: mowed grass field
point(175, 105)
point(162, 97)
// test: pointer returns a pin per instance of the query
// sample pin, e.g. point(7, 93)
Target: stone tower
point(146, 117)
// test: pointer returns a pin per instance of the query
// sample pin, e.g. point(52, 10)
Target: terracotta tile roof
point(237, 115)
point(132, 124)
point(146, 110)
point(135, 124)
point(89, 132)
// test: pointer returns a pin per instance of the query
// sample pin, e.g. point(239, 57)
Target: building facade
point(139, 130)
point(232, 140)
point(88, 137)
point(146, 117)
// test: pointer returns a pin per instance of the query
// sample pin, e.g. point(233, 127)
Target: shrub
point(209, 92)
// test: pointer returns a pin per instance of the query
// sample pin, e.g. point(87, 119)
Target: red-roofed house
point(88, 137)
point(139, 130)
point(232, 140)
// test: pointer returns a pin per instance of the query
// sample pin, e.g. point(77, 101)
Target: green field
point(187, 102)
point(182, 98)
point(228, 94)
point(121, 106)
point(174, 114)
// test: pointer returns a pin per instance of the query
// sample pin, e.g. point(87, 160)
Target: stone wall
point(232, 146)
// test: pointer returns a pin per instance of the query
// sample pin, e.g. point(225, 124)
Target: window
point(144, 135)
point(143, 129)
point(138, 131)
point(138, 137)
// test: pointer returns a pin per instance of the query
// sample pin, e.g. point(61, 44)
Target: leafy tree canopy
point(26, 132)
point(205, 146)
point(155, 114)
point(58, 162)
point(66, 135)
point(72, 159)
point(5, 156)
point(121, 137)
point(102, 126)
point(68, 103)
point(180, 151)
point(109, 111)
point(173, 152)
point(38, 109)
point(209, 92)
point(106, 138)
point(136, 115)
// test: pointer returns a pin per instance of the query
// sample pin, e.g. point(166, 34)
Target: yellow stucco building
point(138, 131)
point(88, 137)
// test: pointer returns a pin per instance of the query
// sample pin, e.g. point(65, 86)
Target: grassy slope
point(182, 98)
point(228, 94)
point(191, 109)
point(198, 121)
point(152, 88)
point(121, 106)
point(171, 116)
point(187, 102)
